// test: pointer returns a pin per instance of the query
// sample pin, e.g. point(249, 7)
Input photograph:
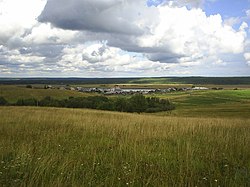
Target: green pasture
point(12, 93)
point(208, 103)
point(212, 103)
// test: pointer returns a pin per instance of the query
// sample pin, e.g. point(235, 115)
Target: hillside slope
point(69, 147)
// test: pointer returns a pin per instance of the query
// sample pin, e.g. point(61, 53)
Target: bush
point(121, 104)
point(49, 101)
point(139, 103)
point(27, 102)
point(29, 86)
point(106, 106)
point(3, 101)
point(154, 110)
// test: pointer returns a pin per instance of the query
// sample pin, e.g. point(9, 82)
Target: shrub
point(3, 101)
point(49, 101)
point(154, 110)
point(139, 103)
point(29, 86)
point(27, 102)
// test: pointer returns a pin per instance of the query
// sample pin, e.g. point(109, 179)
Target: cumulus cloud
point(121, 37)
point(175, 34)
point(15, 19)
point(98, 57)
point(190, 33)
point(46, 34)
point(115, 16)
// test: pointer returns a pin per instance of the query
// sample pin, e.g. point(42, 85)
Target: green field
point(222, 103)
point(193, 80)
point(211, 103)
point(72, 147)
point(13, 92)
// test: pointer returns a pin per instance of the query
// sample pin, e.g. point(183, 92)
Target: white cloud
point(139, 40)
point(190, 3)
point(191, 34)
point(25, 58)
point(247, 58)
point(16, 16)
point(173, 35)
point(14, 56)
point(112, 16)
point(45, 34)
point(98, 57)
point(232, 21)
point(248, 13)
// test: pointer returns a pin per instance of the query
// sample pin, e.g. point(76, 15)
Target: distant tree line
point(156, 80)
point(136, 103)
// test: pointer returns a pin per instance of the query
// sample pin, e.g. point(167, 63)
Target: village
point(116, 90)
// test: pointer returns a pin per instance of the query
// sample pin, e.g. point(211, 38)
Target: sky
point(124, 38)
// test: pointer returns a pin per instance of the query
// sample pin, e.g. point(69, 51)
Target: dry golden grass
point(70, 147)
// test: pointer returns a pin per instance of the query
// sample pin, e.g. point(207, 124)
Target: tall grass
point(69, 147)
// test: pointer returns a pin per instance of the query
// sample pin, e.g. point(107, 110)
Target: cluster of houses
point(128, 91)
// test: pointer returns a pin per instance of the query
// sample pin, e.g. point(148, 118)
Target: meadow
point(203, 142)
point(211, 103)
point(14, 92)
point(227, 103)
point(39, 147)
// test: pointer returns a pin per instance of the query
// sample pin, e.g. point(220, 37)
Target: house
point(116, 89)
point(62, 88)
point(200, 88)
